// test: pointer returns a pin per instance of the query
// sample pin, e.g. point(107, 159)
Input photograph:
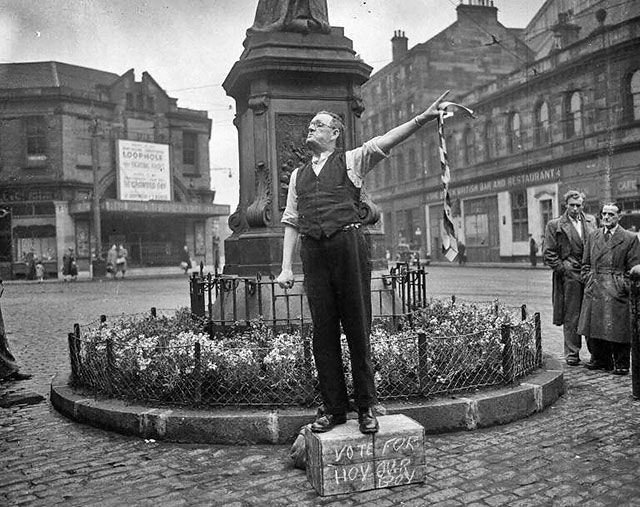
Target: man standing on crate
point(322, 209)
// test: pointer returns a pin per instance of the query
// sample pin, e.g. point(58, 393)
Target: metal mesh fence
point(169, 357)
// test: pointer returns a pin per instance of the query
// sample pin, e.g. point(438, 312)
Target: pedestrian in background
point(533, 251)
point(462, 253)
point(39, 270)
point(609, 255)
point(185, 259)
point(9, 369)
point(563, 249)
point(112, 260)
point(69, 265)
point(121, 259)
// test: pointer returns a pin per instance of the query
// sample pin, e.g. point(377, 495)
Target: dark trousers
point(611, 354)
point(573, 291)
point(337, 278)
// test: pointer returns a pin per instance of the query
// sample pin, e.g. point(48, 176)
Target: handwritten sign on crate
point(344, 460)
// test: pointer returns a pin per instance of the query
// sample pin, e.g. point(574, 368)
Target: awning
point(154, 208)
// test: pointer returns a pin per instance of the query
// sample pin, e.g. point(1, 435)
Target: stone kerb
point(532, 394)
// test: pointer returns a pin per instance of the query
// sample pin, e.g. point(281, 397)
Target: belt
point(609, 271)
point(348, 227)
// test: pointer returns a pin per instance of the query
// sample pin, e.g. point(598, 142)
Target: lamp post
point(95, 204)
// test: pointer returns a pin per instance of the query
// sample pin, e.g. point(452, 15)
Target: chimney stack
point(399, 45)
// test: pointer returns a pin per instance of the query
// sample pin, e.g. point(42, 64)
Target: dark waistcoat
point(327, 202)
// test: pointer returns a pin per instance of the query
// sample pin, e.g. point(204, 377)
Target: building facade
point(569, 118)
point(89, 159)
point(461, 57)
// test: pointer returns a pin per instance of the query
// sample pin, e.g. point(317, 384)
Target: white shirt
point(577, 225)
point(359, 162)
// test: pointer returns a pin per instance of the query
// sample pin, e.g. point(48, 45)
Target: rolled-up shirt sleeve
point(290, 214)
point(361, 160)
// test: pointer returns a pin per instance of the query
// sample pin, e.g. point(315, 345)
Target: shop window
point(189, 148)
point(546, 211)
point(36, 133)
point(514, 141)
point(541, 128)
point(519, 216)
point(476, 222)
point(574, 115)
point(469, 147)
point(634, 96)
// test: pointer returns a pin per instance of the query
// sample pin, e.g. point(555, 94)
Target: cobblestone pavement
point(582, 451)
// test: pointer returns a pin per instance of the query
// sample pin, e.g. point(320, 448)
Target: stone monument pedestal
point(280, 82)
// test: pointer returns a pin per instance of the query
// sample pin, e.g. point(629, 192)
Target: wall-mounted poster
point(144, 171)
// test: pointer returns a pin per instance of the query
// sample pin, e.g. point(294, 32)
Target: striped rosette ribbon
point(447, 229)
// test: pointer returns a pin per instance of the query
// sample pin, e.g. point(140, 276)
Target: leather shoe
point(368, 421)
point(573, 362)
point(620, 371)
point(16, 375)
point(327, 422)
point(596, 365)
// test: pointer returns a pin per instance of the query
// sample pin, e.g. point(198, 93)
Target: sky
point(189, 46)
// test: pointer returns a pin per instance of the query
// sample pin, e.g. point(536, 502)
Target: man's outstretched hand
point(431, 113)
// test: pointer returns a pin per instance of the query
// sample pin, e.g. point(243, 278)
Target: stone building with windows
point(567, 118)
point(462, 56)
point(83, 150)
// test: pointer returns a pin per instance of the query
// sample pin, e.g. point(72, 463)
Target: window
point(634, 95)
point(546, 211)
point(513, 139)
point(400, 169)
point(189, 148)
point(490, 140)
point(574, 115)
point(469, 147)
point(519, 217)
point(140, 102)
point(413, 169)
point(151, 103)
point(541, 129)
point(36, 138)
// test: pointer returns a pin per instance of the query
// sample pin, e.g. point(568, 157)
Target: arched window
point(634, 95)
point(490, 139)
point(541, 129)
point(514, 140)
point(574, 115)
point(469, 146)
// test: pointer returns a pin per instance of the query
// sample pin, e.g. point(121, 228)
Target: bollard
point(73, 356)
point(197, 295)
point(538, 331)
point(634, 301)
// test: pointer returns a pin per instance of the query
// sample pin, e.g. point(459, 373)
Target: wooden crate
point(344, 460)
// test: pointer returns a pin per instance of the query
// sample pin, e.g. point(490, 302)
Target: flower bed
point(445, 347)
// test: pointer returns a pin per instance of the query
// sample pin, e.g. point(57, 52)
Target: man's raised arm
point(398, 134)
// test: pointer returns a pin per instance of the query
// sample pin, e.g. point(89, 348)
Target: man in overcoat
point(609, 254)
point(563, 248)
